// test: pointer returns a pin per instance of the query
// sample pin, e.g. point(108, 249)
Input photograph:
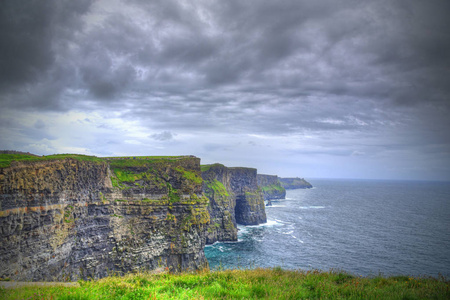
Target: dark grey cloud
point(32, 33)
point(375, 50)
point(374, 69)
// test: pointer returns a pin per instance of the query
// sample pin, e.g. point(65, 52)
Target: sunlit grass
point(243, 284)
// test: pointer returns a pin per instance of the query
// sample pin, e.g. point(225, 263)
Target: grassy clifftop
point(123, 161)
point(6, 158)
point(243, 284)
point(129, 171)
point(173, 173)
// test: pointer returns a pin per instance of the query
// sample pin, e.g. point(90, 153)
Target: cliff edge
point(67, 217)
point(295, 183)
point(271, 187)
point(235, 198)
point(222, 203)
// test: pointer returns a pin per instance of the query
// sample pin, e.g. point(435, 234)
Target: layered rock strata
point(65, 219)
point(250, 208)
point(234, 198)
point(271, 187)
point(222, 203)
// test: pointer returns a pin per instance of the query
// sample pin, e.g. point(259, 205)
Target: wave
point(218, 247)
point(297, 238)
point(311, 207)
point(283, 222)
point(269, 223)
point(276, 206)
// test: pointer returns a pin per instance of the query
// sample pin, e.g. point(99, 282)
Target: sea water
point(359, 226)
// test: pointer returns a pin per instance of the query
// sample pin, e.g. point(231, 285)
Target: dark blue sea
point(364, 227)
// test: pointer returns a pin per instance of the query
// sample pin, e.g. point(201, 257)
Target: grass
point(205, 168)
point(6, 159)
point(273, 283)
point(139, 161)
point(189, 175)
point(149, 169)
point(218, 188)
point(272, 187)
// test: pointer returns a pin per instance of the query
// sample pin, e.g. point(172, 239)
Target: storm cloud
point(310, 88)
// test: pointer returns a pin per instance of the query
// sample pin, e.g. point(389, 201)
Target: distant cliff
point(234, 198)
point(67, 217)
point(271, 187)
point(295, 183)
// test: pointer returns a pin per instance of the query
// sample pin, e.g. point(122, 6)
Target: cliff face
point(234, 197)
point(295, 183)
point(250, 208)
point(67, 219)
point(271, 187)
point(222, 203)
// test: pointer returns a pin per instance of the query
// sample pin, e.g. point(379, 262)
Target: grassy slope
point(272, 187)
point(243, 284)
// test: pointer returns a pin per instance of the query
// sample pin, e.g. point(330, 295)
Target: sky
point(315, 89)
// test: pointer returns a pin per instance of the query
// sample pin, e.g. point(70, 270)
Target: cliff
point(271, 187)
point(250, 209)
point(234, 198)
point(68, 217)
point(222, 203)
point(295, 183)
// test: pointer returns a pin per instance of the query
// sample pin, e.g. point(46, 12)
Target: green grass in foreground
point(243, 284)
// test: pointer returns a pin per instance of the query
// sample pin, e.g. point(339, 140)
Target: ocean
point(364, 227)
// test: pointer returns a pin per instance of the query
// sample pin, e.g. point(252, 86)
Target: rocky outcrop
point(271, 187)
point(234, 198)
point(65, 219)
point(250, 209)
point(295, 183)
point(222, 203)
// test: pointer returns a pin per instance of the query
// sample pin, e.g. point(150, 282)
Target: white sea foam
point(242, 230)
point(311, 207)
point(232, 242)
point(269, 223)
point(289, 232)
point(212, 245)
point(276, 205)
point(218, 247)
point(282, 222)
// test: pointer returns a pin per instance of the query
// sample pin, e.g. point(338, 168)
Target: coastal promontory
point(271, 187)
point(295, 183)
point(66, 217)
point(235, 198)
